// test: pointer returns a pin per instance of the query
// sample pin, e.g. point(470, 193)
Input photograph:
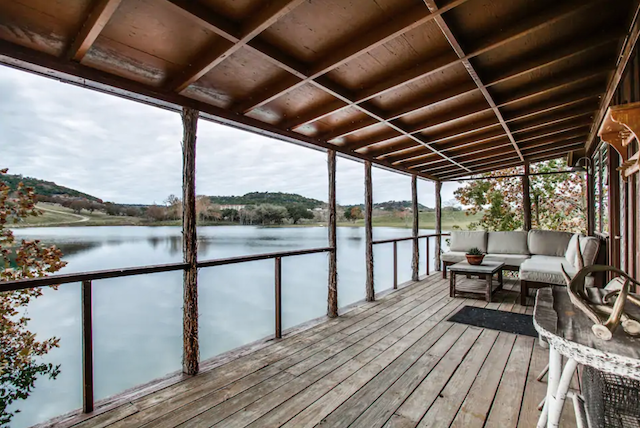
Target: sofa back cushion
point(548, 242)
point(464, 240)
point(589, 247)
point(572, 249)
point(507, 243)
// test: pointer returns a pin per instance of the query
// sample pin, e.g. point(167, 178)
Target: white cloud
point(128, 152)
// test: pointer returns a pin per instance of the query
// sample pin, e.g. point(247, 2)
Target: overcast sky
point(126, 152)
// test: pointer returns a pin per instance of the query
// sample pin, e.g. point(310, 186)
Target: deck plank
point(395, 362)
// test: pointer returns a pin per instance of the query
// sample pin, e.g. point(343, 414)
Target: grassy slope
point(56, 215)
point(427, 220)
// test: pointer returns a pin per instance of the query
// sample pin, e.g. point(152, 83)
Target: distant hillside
point(45, 188)
point(276, 198)
point(393, 205)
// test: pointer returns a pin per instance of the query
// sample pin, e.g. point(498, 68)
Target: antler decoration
point(605, 318)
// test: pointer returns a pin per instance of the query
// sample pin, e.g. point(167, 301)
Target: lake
point(137, 321)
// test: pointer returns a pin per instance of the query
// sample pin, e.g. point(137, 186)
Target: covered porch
point(438, 91)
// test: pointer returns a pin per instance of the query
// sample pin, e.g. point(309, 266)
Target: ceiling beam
point(26, 59)
point(625, 55)
point(359, 45)
point(209, 58)
point(395, 81)
point(98, 17)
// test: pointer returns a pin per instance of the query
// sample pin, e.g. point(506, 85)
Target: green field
point(427, 220)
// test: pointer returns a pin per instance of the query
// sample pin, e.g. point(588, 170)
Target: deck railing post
point(395, 265)
point(368, 229)
point(191, 350)
point(415, 262)
point(438, 224)
point(427, 254)
point(87, 347)
point(332, 297)
point(278, 283)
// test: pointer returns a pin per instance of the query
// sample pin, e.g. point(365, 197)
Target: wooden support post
point(395, 265)
point(87, 347)
point(600, 205)
point(526, 199)
point(190, 357)
point(332, 298)
point(591, 213)
point(368, 230)
point(438, 225)
point(415, 263)
point(614, 206)
point(278, 283)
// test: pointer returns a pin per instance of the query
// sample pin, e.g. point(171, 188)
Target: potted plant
point(474, 256)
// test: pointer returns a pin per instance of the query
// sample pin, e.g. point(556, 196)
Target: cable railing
point(395, 241)
point(86, 280)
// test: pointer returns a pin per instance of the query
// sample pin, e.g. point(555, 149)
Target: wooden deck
point(395, 362)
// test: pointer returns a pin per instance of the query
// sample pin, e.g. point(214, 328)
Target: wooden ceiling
point(441, 90)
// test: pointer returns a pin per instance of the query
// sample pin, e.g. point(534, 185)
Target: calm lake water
point(137, 324)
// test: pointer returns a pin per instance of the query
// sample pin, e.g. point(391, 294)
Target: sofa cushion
point(507, 243)
point(453, 256)
point(510, 260)
point(466, 239)
point(546, 269)
point(589, 246)
point(572, 249)
point(548, 242)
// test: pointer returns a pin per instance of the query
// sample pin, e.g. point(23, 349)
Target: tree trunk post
point(438, 225)
point(591, 217)
point(526, 199)
point(332, 299)
point(368, 230)
point(190, 357)
point(600, 206)
point(415, 263)
point(613, 160)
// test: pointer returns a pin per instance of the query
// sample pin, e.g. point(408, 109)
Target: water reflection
point(138, 320)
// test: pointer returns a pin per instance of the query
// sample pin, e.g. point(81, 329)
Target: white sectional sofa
point(538, 255)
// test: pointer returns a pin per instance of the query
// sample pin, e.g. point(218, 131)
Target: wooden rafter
point(625, 54)
point(445, 61)
point(98, 17)
point(210, 58)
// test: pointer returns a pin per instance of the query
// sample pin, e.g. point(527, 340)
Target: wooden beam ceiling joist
point(98, 17)
point(623, 59)
point(208, 59)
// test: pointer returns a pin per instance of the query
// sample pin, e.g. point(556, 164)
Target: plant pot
point(474, 260)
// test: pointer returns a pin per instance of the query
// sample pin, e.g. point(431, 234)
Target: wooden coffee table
point(485, 271)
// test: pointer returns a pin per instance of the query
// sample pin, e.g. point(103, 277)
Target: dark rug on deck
point(496, 320)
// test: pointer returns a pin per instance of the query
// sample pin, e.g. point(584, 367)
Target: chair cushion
point(589, 246)
point(572, 249)
point(466, 239)
point(548, 242)
point(507, 243)
point(546, 269)
point(511, 260)
point(453, 256)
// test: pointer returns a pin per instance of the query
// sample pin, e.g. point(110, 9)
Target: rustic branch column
point(614, 206)
point(438, 224)
point(368, 230)
point(190, 357)
point(591, 218)
point(415, 263)
point(526, 199)
point(600, 206)
point(332, 299)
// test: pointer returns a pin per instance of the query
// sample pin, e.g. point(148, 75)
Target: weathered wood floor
point(396, 362)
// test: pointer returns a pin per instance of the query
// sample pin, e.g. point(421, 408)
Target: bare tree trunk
point(332, 299)
point(368, 228)
point(415, 263)
point(438, 224)
point(191, 351)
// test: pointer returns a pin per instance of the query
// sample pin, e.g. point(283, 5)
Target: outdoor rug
point(496, 320)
